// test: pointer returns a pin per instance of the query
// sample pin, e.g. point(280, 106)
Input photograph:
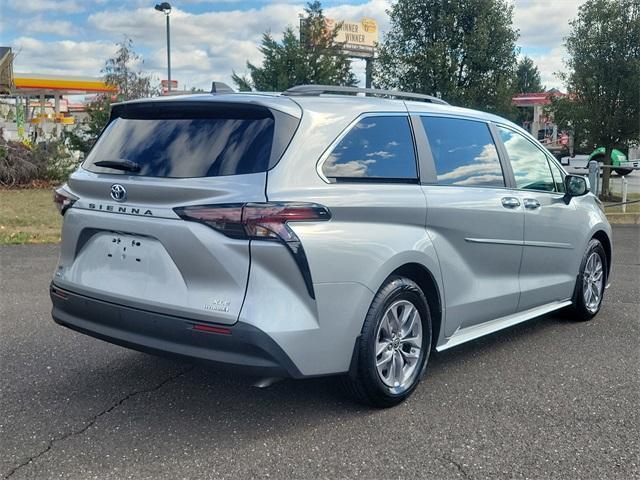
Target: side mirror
point(575, 186)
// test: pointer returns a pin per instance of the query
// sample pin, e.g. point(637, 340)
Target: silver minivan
point(321, 231)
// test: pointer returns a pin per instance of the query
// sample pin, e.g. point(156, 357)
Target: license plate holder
point(129, 249)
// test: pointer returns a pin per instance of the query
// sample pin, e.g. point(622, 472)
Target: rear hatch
point(122, 239)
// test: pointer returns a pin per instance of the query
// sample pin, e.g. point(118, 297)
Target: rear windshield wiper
point(121, 164)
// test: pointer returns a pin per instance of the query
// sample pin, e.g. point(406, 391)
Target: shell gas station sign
point(358, 39)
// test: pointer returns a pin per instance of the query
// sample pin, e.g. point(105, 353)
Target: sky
point(212, 38)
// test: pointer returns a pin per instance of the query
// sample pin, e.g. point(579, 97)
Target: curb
point(624, 218)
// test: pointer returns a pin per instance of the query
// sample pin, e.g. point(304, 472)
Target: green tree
point(117, 71)
point(528, 77)
point(84, 135)
point(314, 57)
point(527, 80)
point(463, 52)
point(604, 77)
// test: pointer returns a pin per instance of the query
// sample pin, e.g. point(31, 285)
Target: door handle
point(531, 203)
point(510, 202)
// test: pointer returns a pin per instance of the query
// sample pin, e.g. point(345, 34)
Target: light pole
point(165, 8)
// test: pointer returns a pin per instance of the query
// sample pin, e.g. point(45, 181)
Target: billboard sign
point(358, 38)
point(164, 84)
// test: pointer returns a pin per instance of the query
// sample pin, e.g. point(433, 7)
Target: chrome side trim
point(497, 241)
point(520, 243)
point(476, 331)
point(531, 243)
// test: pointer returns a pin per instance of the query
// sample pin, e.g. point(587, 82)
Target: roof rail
point(316, 90)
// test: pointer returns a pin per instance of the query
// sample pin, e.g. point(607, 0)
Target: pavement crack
point(458, 465)
point(92, 420)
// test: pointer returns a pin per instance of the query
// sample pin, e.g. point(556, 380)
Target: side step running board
point(476, 331)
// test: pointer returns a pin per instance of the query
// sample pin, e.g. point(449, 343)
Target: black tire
point(579, 311)
point(364, 383)
point(623, 171)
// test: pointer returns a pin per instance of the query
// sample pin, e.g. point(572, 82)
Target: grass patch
point(631, 207)
point(28, 216)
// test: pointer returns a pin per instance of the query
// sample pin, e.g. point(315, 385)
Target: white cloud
point(51, 6)
point(549, 64)
point(184, 58)
point(215, 29)
point(65, 57)
point(544, 23)
point(51, 27)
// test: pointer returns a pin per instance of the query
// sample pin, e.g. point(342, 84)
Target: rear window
point(186, 141)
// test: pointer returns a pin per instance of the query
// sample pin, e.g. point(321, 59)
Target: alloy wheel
point(399, 345)
point(592, 282)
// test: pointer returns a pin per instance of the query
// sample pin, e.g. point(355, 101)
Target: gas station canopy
point(36, 85)
point(24, 87)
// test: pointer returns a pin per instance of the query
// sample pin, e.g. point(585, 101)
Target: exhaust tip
point(266, 382)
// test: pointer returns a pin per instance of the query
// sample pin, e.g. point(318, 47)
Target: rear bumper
point(244, 348)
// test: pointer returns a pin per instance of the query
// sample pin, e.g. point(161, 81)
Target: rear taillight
point(264, 221)
point(63, 199)
point(261, 221)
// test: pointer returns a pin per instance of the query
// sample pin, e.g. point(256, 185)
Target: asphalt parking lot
point(547, 399)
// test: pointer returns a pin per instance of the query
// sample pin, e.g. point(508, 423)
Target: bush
point(55, 161)
point(16, 165)
point(21, 164)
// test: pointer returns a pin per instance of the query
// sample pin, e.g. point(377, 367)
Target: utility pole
point(165, 8)
point(368, 71)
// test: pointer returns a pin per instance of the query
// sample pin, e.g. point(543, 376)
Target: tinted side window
point(375, 148)
point(464, 152)
point(558, 176)
point(530, 165)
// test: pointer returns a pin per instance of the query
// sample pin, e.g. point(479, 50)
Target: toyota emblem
point(118, 193)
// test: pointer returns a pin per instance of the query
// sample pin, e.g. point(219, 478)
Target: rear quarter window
point(377, 148)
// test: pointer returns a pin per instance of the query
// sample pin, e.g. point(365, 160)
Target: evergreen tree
point(528, 77)
point(313, 58)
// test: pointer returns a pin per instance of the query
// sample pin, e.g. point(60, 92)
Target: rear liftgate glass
point(191, 139)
